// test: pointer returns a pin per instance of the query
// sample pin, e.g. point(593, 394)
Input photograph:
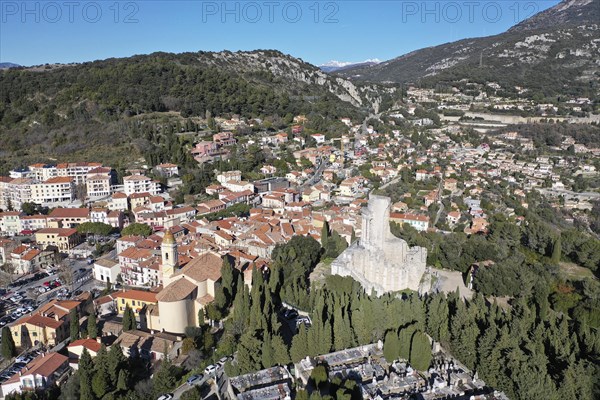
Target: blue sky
point(38, 32)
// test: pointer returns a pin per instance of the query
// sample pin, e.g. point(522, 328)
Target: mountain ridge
point(561, 44)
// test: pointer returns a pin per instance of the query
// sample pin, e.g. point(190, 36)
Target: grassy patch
point(574, 272)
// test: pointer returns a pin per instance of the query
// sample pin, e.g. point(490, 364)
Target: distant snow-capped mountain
point(334, 65)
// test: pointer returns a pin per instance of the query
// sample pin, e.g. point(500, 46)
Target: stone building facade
point(379, 260)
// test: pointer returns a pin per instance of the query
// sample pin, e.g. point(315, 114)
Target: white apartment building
point(42, 172)
point(53, 192)
point(4, 181)
point(98, 186)
point(18, 192)
point(77, 171)
point(140, 184)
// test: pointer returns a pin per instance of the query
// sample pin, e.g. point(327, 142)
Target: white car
point(210, 369)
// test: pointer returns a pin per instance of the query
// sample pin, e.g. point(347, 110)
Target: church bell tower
point(169, 257)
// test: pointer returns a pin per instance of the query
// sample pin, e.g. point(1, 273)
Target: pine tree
point(74, 324)
point(92, 327)
point(249, 353)
point(8, 344)
point(201, 318)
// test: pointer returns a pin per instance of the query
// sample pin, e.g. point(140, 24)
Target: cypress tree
point(420, 353)
point(74, 318)
point(129, 321)
point(86, 368)
point(391, 346)
point(325, 235)
point(100, 381)
point(9, 349)
point(280, 351)
point(556, 250)
point(299, 348)
point(92, 327)
point(115, 361)
point(267, 352)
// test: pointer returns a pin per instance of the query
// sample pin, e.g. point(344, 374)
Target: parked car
point(193, 379)
point(290, 314)
point(210, 369)
point(167, 396)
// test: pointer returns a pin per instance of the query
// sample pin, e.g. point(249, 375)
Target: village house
point(64, 239)
point(45, 371)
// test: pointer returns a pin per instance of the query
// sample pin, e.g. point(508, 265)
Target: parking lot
point(19, 363)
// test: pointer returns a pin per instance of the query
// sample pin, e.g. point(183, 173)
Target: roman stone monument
point(379, 260)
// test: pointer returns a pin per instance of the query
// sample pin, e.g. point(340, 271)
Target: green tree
point(116, 363)
point(74, 324)
point(92, 327)
point(129, 321)
point(319, 376)
point(137, 229)
point(299, 348)
point(123, 380)
point(8, 344)
point(420, 352)
point(391, 346)
point(164, 379)
point(556, 250)
point(101, 379)
point(85, 371)
point(280, 351)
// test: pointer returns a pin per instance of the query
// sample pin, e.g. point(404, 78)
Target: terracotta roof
point(45, 365)
point(135, 253)
point(205, 266)
point(119, 195)
point(70, 213)
point(31, 254)
point(89, 344)
point(140, 295)
point(59, 179)
point(176, 291)
point(58, 231)
point(40, 320)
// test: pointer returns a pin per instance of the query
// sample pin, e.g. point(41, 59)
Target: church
point(185, 290)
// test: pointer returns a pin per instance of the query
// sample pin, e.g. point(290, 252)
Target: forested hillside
point(88, 108)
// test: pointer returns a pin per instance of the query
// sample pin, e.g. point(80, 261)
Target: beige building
point(63, 238)
point(53, 192)
point(98, 185)
point(186, 290)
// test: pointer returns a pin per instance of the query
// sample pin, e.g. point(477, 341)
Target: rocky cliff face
point(297, 73)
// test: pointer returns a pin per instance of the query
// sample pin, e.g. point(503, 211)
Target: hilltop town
point(165, 265)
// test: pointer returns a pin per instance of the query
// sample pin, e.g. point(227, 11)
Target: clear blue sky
point(38, 32)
